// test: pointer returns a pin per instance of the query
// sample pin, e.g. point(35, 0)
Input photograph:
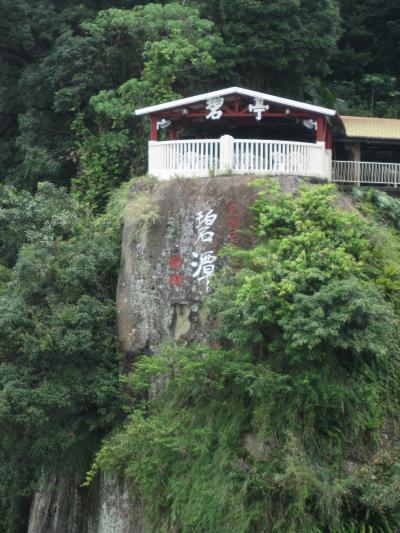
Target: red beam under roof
point(242, 114)
point(237, 104)
point(232, 93)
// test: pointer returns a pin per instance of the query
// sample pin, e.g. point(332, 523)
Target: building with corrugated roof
point(368, 139)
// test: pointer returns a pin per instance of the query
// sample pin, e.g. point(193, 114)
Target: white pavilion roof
point(293, 104)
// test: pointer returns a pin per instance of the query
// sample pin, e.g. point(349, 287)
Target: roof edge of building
point(239, 91)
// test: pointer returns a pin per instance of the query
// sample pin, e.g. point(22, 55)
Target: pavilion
point(238, 130)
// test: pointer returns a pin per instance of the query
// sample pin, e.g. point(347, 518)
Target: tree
point(370, 40)
point(365, 66)
point(57, 57)
point(171, 52)
point(277, 45)
point(58, 357)
point(49, 70)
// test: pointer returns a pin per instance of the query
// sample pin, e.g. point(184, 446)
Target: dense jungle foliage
point(321, 400)
point(59, 388)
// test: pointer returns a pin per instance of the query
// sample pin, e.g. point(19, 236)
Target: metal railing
point(366, 173)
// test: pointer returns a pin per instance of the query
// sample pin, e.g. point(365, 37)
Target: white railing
point(366, 172)
point(184, 158)
point(207, 157)
point(279, 157)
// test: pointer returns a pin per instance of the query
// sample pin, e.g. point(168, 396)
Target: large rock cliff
point(171, 239)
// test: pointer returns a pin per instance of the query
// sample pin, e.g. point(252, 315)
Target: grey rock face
point(106, 507)
point(163, 280)
point(116, 510)
point(57, 509)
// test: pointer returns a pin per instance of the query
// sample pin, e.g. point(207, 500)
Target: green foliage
point(4, 277)
point(311, 308)
point(173, 44)
point(14, 514)
point(305, 243)
point(104, 161)
point(49, 70)
point(386, 211)
point(143, 213)
point(385, 208)
point(164, 452)
point(365, 72)
point(373, 95)
point(277, 45)
point(58, 356)
point(368, 22)
point(289, 422)
point(174, 52)
point(24, 217)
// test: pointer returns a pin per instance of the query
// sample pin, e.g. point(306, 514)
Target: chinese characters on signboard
point(258, 108)
point(215, 108)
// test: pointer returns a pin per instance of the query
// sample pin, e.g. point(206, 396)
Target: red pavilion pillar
point(154, 132)
point(321, 129)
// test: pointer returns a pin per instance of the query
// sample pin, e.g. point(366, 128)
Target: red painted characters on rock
point(175, 277)
point(233, 222)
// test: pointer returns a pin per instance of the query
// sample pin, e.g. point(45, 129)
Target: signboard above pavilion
point(234, 105)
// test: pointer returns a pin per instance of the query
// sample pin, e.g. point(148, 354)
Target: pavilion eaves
point(237, 91)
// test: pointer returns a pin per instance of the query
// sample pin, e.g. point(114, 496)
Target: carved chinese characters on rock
point(175, 277)
point(203, 223)
point(204, 265)
point(203, 261)
point(203, 257)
